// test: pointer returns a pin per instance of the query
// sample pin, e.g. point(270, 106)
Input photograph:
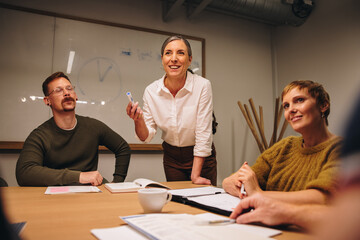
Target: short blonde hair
point(316, 90)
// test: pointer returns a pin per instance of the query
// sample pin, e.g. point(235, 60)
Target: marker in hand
point(128, 94)
point(130, 98)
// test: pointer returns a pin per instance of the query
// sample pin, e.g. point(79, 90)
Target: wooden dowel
point(273, 137)
point(250, 126)
point(261, 117)
point(282, 130)
point(261, 146)
point(257, 120)
point(244, 113)
point(279, 115)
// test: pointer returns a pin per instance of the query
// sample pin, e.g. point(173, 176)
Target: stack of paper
point(182, 227)
point(71, 189)
point(124, 232)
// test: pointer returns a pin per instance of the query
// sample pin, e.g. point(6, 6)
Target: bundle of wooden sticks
point(261, 141)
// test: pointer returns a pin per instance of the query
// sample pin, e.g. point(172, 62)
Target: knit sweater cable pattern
point(287, 166)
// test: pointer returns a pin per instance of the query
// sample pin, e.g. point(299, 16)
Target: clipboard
point(212, 199)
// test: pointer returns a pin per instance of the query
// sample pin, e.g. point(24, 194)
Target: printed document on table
point(259, 230)
point(184, 227)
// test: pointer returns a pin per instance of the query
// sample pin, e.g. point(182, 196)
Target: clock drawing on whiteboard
point(99, 80)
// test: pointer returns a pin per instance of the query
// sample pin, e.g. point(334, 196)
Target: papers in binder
point(212, 199)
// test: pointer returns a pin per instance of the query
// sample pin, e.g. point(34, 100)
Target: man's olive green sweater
point(53, 156)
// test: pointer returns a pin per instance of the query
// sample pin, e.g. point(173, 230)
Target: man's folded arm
point(31, 172)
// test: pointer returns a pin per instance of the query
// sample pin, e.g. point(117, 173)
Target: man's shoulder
point(96, 125)
point(88, 120)
point(42, 133)
point(45, 126)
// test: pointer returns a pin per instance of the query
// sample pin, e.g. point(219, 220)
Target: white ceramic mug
point(153, 199)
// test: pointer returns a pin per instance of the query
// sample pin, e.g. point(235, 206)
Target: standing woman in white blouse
point(180, 104)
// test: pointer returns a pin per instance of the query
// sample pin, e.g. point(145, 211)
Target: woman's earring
point(322, 115)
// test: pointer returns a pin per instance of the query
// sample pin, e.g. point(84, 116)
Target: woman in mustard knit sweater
point(296, 169)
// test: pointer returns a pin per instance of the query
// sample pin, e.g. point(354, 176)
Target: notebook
point(133, 186)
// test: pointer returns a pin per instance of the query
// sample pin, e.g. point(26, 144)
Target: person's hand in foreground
point(263, 210)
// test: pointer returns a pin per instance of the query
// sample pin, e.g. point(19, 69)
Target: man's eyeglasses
point(60, 90)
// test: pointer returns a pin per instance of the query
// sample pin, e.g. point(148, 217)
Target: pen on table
point(222, 221)
point(205, 194)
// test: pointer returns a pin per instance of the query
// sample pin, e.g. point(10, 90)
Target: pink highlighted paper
point(71, 189)
point(59, 189)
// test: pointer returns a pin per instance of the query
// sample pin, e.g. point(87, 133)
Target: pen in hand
point(128, 94)
point(222, 221)
point(242, 190)
point(130, 98)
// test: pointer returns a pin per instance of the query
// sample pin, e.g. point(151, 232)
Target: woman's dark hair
point(177, 37)
point(173, 38)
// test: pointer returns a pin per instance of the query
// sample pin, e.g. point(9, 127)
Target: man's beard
point(66, 100)
point(69, 109)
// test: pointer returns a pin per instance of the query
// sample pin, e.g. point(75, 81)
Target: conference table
point(72, 216)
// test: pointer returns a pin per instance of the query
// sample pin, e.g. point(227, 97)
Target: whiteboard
point(109, 61)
